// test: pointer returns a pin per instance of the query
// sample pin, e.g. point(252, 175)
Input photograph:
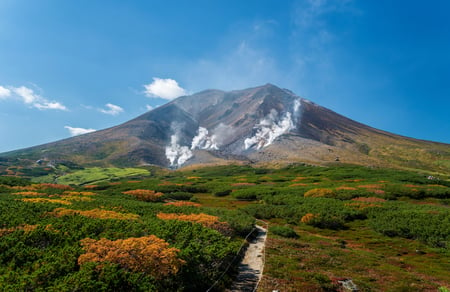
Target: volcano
point(264, 125)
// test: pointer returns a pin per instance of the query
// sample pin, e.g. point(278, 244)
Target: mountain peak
point(264, 124)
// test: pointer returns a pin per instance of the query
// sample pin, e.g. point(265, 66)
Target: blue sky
point(67, 67)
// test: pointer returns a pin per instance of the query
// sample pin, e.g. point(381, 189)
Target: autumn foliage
point(307, 218)
point(30, 193)
point(72, 193)
point(363, 202)
point(183, 204)
point(242, 184)
point(319, 192)
point(145, 195)
point(54, 186)
point(95, 213)
point(24, 227)
point(149, 254)
point(45, 200)
point(206, 220)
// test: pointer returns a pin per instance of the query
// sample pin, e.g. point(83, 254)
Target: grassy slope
point(93, 175)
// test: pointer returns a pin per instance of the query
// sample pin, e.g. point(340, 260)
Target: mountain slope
point(264, 124)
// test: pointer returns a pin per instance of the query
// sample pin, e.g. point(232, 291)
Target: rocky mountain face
point(265, 125)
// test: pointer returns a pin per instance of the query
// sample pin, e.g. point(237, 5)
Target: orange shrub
point(168, 183)
point(242, 184)
point(346, 188)
point(378, 192)
point(25, 227)
point(54, 186)
point(369, 199)
point(30, 193)
point(298, 185)
point(95, 213)
point(308, 217)
point(206, 220)
point(5, 231)
point(45, 200)
point(22, 188)
point(319, 192)
point(145, 195)
point(182, 204)
point(78, 199)
point(370, 186)
point(363, 203)
point(149, 254)
point(412, 186)
point(71, 193)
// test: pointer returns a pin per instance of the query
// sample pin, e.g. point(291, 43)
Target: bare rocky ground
point(251, 268)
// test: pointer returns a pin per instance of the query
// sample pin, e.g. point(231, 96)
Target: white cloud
point(27, 94)
point(149, 107)
point(29, 97)
point(78, 131)
point(164, 88)
point(50, 105)
point(112, 109)
point(4, 92)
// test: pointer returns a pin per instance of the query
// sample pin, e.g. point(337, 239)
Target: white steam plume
point(175, 153)
point(211, 141)
point(203, 141)
point(272, 127)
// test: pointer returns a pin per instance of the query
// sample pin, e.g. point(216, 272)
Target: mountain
point(264, 125)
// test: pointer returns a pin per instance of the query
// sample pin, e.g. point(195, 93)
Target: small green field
point(93, 175)
point(380, 229)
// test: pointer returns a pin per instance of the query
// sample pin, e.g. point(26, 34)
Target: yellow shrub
point(145, 195)
point(149, 254)
point(95, 213)
point(308, 217)
point(45, 200)
point(319, 192)
point(206, 220)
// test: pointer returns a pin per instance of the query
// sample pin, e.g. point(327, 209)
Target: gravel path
point(251, 267)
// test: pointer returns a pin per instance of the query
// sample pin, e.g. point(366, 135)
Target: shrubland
point(188, 227)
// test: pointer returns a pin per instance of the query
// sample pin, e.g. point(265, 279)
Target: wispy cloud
point(4, 92)
point(243, 65)
point(148, 107)
point(30, 98)
point(311, 14)
point(112, 109)
point(50, 105)
point(78, 131)
point(164, 88)
point(251, 56)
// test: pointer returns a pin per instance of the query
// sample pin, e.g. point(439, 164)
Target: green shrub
point(183, 196)
point(283, 231)
point(222, 193)
point(327, 222)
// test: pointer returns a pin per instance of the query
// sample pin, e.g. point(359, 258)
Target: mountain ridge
point(264, 124)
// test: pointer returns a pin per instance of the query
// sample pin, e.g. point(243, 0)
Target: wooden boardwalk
point(251, 268)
